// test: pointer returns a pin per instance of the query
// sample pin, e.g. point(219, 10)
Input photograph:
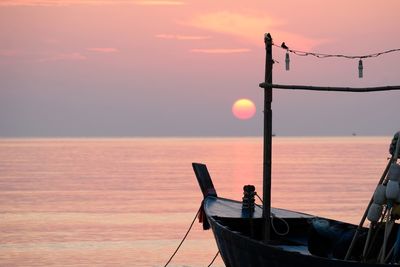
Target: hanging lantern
point(360, 69)
point(287, 61)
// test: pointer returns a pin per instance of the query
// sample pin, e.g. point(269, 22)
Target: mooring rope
point(180, 244)
point(184, 238)
point(216, 255)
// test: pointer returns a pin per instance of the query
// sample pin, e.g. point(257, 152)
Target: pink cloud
point(64, 57)
point(51, 41)
point(182, 37)
point(8, 52)
point(221, 50)
point(103, 49)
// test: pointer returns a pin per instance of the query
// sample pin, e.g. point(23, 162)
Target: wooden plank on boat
point(330, 88)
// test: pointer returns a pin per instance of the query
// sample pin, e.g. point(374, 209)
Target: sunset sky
point(82, 68)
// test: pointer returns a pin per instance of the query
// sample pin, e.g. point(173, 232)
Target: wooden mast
point(267, 157)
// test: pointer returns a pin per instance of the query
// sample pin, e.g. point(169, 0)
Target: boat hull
point(238, 250)
point(297, 239)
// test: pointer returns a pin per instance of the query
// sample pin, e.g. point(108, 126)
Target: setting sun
point(243, 109)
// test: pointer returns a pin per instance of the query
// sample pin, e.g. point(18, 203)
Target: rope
point(272, 221)
point(259, 198)
point(321, 55)
point(180, 244)
point(284, 222)
point(216, 255)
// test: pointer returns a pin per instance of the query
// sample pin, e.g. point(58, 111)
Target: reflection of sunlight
point(244, 165)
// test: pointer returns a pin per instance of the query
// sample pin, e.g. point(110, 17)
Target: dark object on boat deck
point(248, 199)
point(332, 239)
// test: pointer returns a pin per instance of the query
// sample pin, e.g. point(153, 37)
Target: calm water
point(128, 202)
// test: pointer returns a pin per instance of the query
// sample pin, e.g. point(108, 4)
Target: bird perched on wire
point(284, 46)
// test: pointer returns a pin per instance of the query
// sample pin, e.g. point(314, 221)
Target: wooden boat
point(251, 235)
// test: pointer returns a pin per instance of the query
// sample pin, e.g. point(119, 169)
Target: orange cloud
point(182, 37)
point(221, 50)
point(44, 2)
point(159, 3)
point(250, 28)
point(236, 24)
point(85, 2)
point(102, 49)
point(64, 57)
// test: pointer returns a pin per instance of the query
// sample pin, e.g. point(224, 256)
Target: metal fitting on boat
point(248, 198)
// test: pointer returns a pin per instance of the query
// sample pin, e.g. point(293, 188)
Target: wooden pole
point(327, 88)
point(267, 157)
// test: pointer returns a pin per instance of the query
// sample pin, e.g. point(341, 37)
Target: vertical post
point(267, 157)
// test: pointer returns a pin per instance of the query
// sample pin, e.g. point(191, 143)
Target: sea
point(130, 201)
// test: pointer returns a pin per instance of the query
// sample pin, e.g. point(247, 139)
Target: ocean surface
point(128, 202)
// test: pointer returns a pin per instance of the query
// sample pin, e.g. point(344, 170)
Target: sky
point(126, 68)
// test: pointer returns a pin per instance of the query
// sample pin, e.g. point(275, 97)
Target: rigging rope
point(272, 221)
point(216, 255)
point(321, 55)
point(184, 238)
point(180, 244)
